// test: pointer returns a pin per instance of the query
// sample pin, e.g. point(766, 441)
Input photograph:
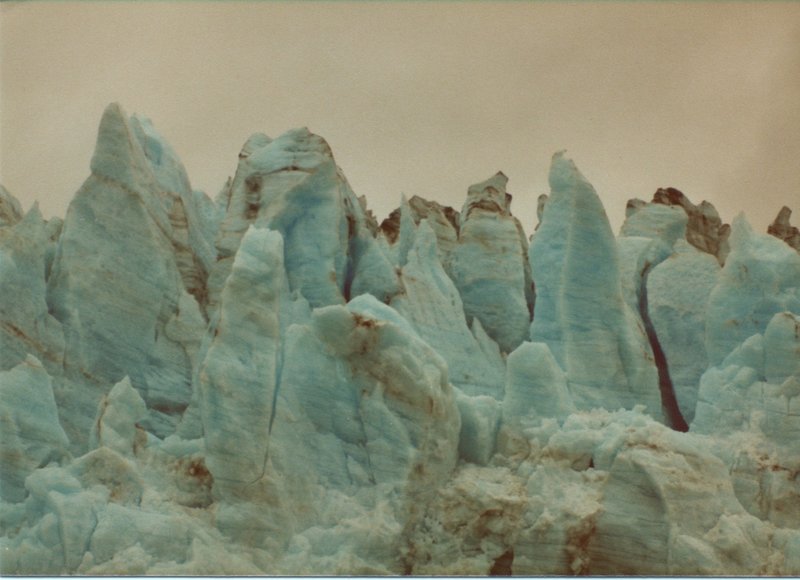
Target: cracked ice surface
point(271, 383)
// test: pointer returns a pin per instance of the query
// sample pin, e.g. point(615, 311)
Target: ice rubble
point(271, 383)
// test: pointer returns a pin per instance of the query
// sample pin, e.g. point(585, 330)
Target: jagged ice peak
point(271, 382)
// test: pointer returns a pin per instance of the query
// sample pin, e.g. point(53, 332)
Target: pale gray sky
point(421, 98)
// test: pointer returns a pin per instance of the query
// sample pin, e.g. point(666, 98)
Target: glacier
point(273, 382)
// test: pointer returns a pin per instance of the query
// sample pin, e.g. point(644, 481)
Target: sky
point(420, 98)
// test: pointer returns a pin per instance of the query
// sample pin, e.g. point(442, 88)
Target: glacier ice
point(704, 230)
point(431, 303)
point(443, 220)
point(535, 385)
point(118, 307)
point(677, 293)
point(238, 377)
point(26, 320)
point(761, 277)
point(272, 383)
point(117, 415)
point(32, 434)
point(490, 264)
point(292, 185)
point(579, 311)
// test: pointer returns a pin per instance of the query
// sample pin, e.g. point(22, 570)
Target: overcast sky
point(421, 98)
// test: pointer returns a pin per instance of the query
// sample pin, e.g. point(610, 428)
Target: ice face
point(761, 277)
point(753, 396)
point(677, 291)
point(240, 372)
point(535, 385)
point(117, 415)
point(580, 313)
point(32, 434)
point(490, 264)
point(28, 326)
point(271, 383)
point(431, 303)
point(704, 228)
point(293, 186)
point(116, 288)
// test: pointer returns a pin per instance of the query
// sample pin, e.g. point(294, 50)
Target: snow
point(272, 384)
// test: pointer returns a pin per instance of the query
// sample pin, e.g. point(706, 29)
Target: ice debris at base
point(272, 383)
